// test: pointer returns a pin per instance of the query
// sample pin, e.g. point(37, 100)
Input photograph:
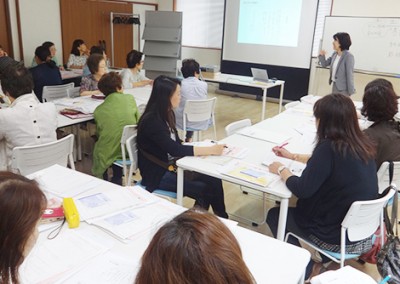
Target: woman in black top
point(340, 170)
point(159, 143)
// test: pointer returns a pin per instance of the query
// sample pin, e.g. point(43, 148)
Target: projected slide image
point(269, 22)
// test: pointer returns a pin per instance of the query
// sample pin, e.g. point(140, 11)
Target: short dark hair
point(96, 49)
point(94, 61)
point(110, 83)
point(21, 206)
point(48, 44)
point(77, 43)
point(43, 53)
point(190, 67)
point(379, 103)
point(16, 80)
point(338, 122)
point(133, 57)
point(344, 40)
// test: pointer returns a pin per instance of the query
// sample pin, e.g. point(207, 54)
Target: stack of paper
point(81, 104)
point(248, 172)
point(230, 150)
point(266, 135)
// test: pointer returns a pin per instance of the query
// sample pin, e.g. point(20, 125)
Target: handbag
point(388, 258)
point(371, 255)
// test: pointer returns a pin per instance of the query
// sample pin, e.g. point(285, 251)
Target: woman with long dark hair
point(159, 143)
point(21, 206)
point(340, 170)
point(79, 54)
point(194, 247)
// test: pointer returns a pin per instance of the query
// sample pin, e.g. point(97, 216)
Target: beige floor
point(239, 206)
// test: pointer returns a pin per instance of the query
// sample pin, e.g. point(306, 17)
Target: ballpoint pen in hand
point(386, 279)
point(283, 145)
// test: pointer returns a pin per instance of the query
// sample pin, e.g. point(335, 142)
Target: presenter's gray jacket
point(344, 78)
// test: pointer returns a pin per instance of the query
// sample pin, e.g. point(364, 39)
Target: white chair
point(51, 93)
point(128, 131)
point(73, 92)
point(291, 104)
point(383, 175)
point(235, 126)
point(197, 111)
point(29, 159)
point(132, 149)
point(360, 222)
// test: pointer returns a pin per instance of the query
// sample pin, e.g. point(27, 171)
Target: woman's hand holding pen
point(282, 152)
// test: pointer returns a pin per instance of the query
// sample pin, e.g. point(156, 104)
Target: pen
point(283, 145)
point(386, 279)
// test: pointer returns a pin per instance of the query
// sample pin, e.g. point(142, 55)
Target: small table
point(249, 82)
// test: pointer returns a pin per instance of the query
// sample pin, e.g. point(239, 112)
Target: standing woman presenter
point(341, 65)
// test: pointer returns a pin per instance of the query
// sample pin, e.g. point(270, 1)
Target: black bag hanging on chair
point(389, 256)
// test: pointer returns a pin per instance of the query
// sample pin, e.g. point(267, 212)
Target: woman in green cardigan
point(111, 116)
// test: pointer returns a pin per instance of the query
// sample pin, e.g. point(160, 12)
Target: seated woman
point(380, 106)
point(132, 76)
point(46, 72)
point(2, 52)
point(78, 56)
point(111, 116)
point(194, 247)
point(95, 50)
point(52, 48)
point(340, 170)
point(21, 206)
point(97, 66)
point(158, 143)
point(192, 89)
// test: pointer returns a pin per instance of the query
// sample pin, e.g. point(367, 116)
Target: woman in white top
point(191, 89)
point(132, 77)
point(79, 54)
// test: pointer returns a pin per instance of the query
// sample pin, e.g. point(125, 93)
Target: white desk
point(286, 123)
point(269, 260)
point(248, 82)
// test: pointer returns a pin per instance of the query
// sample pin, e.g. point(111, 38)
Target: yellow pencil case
point(71, 213)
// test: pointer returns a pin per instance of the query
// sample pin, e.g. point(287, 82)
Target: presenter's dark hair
point(344, 40)
point(21, 206)
point(338, 122)
point(16, 80)
point(195, 247)
point(379, 103)
point(93, 62)
point(77, 43)
point(133, 57)
point(190, 67)
point(159, 103)
point(110, 83)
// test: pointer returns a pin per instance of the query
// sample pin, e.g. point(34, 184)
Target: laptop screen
point(259, 74)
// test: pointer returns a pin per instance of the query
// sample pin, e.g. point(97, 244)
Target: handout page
point(266, 135)
point(82, 104)
point(64, 182)
point(248, 172)
point(50, 258)
point(344, 275)
point(229, 151)
point(294, 166)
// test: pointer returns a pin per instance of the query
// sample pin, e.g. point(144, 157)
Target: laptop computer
point(260, 75)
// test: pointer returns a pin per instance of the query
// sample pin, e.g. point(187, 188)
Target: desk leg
point(77, 142)
point(282, 218)
point(264, 99)
point(281, 97)
point(179, 189)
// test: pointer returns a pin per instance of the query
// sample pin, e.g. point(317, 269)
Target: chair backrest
point(383, 175)
point(364, 217)
point(29, 159)
point(199, 110)
point(291, 104)
point(132, 149)
point(51, 93)
point(235, 126)
point(73, 92)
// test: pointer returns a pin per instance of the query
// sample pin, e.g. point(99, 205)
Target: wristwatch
point(280, 169)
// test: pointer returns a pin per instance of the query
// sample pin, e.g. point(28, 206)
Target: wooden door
point(5, 32)
point(90, 21)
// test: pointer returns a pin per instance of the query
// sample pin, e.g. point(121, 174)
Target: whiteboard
point(375, 41)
